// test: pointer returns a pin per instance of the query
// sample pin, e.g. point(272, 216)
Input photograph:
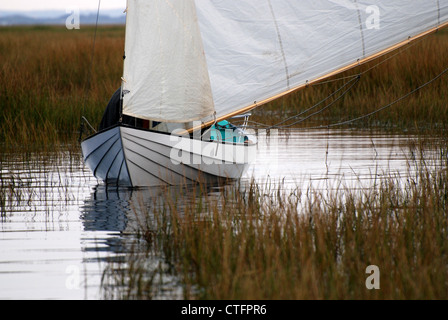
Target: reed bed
point(265, 242)
point(47, 83)
point(48, 80)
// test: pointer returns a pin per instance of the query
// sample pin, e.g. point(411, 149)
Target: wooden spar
point(348, 67)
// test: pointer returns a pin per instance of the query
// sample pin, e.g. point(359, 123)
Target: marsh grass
point(45, 86)
point(266, 242)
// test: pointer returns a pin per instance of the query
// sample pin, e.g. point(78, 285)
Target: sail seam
point(162, 58)
point(438, 13)
point(280, 43)
point(361, 29)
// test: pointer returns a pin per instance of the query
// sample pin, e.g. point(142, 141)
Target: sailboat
point(191, 66)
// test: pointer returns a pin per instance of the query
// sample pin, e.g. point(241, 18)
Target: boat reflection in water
point(129, 216)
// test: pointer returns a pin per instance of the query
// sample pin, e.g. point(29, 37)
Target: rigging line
point(399, 51)
point(355, 79)
point(384, 107)
point(334, 80)
point(89, 75)
point(324, 108)
point(210, 128)
point(373, 112)
point(256, 124)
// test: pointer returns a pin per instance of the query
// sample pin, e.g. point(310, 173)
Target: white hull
point(135, 157)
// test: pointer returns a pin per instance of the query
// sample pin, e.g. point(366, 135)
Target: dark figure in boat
point(111, 115)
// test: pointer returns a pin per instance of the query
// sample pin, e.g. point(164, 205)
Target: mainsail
point(195, 59)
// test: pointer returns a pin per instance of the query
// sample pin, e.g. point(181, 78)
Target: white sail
point(254, 49)
point(165, 72)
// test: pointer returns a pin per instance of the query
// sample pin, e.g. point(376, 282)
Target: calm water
point(60, 228)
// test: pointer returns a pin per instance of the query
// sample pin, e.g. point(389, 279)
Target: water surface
point(61, 228)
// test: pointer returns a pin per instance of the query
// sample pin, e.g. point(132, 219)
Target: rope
point(88, 123)
point(388, 105)
point(89, 75)
point(356, 80)
point(210, 128)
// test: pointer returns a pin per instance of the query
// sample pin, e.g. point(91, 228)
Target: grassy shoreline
point(44, 78)
point(44, 86)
